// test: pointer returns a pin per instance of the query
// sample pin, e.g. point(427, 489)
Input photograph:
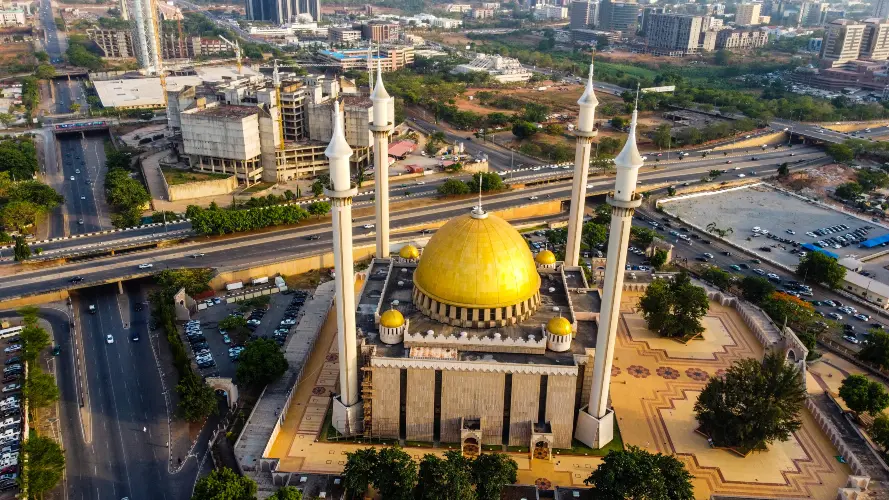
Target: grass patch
point(261, 186)
point(578, 448)
point(518, 449)
point(175, 177)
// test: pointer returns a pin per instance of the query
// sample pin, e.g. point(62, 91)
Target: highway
point(83, 161)
point(235, 251)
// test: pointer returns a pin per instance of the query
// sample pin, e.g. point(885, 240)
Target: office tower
point(842, 42)
point(875, 43)
point(748, 14)
point(812, 13)
point(619, 16)
point(881, 9)
point(673, 32)
point(579, 14)
point(311, 7)
point(268, 10)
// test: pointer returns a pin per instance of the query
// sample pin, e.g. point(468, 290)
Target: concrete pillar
point(381, 128)
point(584, 133)
point(120, 287)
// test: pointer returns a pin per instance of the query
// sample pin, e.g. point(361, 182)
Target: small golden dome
point(545, 257)
point(409, 252)
point(559, 326)
point(391, 319)
point(477, 262)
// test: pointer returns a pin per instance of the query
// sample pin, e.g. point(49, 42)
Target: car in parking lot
point(850, 338)
point(835, 316)
point(759, 272)
point(862, 317)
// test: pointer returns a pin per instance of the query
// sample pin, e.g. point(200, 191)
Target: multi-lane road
point(274, 246)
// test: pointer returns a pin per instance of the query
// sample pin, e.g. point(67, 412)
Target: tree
point(232, 322)
point(453, 187)
point(849, 191)
point(261, 362)
point(317, 188)
point(74, 107)
point(754, 404)
point(396, 474)
point(449, 478)
point(318, 208)
point(46, 464)
point(783, 170)
point(659, 258)
point(491, 181)
point(821, 268)
point(194, 281)
point(863, 395)
point(431, 148)
point(675, 308)
point(7, 119)
point(19, 215)
point(287, 493)
point(33, 339)
point(879, 431)
point(722, 57)
point(41, 56)
point(21, 251)
point(619, 122)
point(40, 388)
point(491, 472)
point(840, 152)
point(359, 472)
point(197, 400)
point(642, 236)
point(45, 72)
point(875, 348)
point(756, 289)
point(602, 214)
point(719, 278)
point(592, 235)
point(662, 136)
point(224, 484)
point(635, 473)
point(783, 307)
point(523, 129)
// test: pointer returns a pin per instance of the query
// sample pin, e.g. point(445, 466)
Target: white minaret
point(595, 424)
point(347, 413)
point(381, 128)
point(584, 133)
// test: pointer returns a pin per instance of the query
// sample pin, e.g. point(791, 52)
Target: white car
point(368, 226)
point(77, 171)
point(862, 317)
point(13, 348)
point(533, 197)
point(759, 272)
point(12, 387)
point(590, 186)
point(109, 339)
point(72, 177)
point(741, 175)
point(146, 266)
point(420, 183)
point(83, 197)
point(773, 276)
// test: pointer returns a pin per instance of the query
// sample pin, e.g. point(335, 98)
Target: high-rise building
point(812, 13)
point(311, 7)
point(145, 36)
point(842, 42)
point(267, 10)
point(113, 42)
point(379, 31)
point(579, 14)
point(673, 33)
point(619, 16)
point(741, 39)
point(747, 14)
point(875, 43)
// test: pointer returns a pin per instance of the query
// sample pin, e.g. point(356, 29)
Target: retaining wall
point(200, 189)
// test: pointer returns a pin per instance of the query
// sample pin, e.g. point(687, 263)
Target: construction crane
point(235, 45)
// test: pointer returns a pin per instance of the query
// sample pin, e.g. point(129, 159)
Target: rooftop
point(147, 92)
point(225, 111)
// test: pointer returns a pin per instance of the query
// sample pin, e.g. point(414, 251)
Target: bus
point(11, 332)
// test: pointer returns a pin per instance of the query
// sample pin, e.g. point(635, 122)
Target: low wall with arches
point(225, 384)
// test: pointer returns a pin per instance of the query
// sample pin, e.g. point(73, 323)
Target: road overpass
point(249, 250)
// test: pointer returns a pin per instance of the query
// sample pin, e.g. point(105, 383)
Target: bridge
point(80, 126)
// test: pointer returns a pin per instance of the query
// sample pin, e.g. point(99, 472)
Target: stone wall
point(523, 408)
point(386, 401)
point(560, 408)
point(472, 395)
point(200, 189)
point(420, 404)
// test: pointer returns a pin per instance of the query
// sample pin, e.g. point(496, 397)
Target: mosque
point(473, 339)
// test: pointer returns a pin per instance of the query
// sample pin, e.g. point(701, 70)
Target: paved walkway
point(661, 381)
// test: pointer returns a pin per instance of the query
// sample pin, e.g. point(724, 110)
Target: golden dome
point(477, 262)
point(391, 319)
point(409, 252)
point(545, 257)
point(559, 326)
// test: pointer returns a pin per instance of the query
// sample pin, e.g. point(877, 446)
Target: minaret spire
point(584, 133)
point(347, 407)
point(383, 118)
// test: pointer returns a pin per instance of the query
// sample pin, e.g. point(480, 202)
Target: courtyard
point(654, 387)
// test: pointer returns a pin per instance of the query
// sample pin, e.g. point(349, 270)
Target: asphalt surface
point(128, 455)
point(692, 252)
point(83, 160)
point(273, 246)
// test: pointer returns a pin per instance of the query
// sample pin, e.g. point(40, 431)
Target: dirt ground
point(21, 53)
point(561, 98)
point(815, 182)
point(626, 57)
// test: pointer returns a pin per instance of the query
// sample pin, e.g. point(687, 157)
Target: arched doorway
point(541, 450)
point(791, 355)
point(470, 448)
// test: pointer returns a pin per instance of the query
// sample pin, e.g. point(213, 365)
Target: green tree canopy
point(642, 236)
point(46, 464)
point(523, 129)
point(840, 152)
point(849, 191)
point(879, 431)
point(592, 235)
point(197, 400)
point(359, 472)
point(396, 475)
point(224, 484)
point(491, 181)
point(21, 251)
point(719, 278)
point(449, 478)
point(821, 268)
point(40, 388)
point(659, 258)
point(287, 493)
point(754, 404)
point(194, 281)
point(261, 362)
point(491, 472)
point(637, 474)
point(875, 348)
point(674, 308)
point(756, 289)
point(33, 339)
point(863, 395)
point(453, 187)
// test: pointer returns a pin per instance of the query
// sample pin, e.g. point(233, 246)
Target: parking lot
point(777, 216)
point(10, 408)
point(215, 338)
